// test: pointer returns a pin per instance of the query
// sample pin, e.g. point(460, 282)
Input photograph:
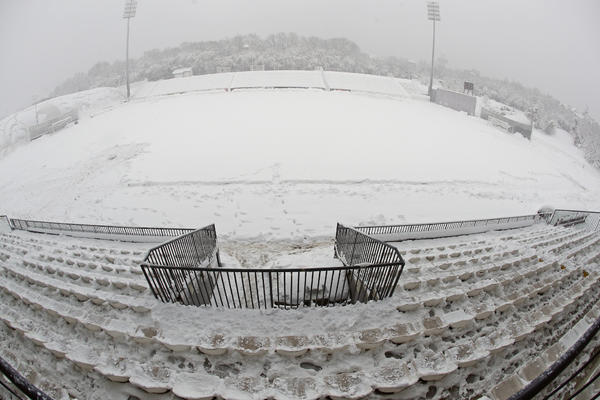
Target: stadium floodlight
point(128, 13)
point(433, 14)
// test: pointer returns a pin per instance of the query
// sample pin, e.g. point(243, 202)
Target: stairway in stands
point(468, 314)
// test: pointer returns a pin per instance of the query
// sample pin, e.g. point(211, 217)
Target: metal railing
point(354, 247)
point(189, 249)
point(416, 229)
point(14, 386)
point(53, 125)
point(588, 219)
point(183, 270)
point(272, 288)
point(539, 384)
point(63, 227)
point(170, 268)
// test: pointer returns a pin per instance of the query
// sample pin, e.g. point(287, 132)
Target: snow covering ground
point(14, 128)
point(472, 315)
point(284, 163)
point(509, 112)
point(275, 169)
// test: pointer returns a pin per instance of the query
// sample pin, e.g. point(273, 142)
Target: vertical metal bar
point(389, 279)
point(353, 246)
point(230, 289)
point(305, 284)
point(244, 290)
point(271, 288)
point(196, 287)
point(298, 290)
point(178, 276)
point(146, 274)
point(278, 302)
point(360, 278)
point(262, 277)
point(237, 289)
point(398, 273)
point(318, 283)
point(285, 291)
point(383, 279)
point(219, 289)
point(379, 285)
point(366, 278)
point(162, 284)
point(312, 278)
point(250, 289)
point(337, 284)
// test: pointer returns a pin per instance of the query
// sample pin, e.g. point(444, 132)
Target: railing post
point(353, 247)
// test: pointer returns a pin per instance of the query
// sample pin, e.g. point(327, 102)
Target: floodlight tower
point(128, 13)
point(433, 14)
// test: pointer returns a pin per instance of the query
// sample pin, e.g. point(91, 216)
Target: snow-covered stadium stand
point(323, 80)
point(473, 315)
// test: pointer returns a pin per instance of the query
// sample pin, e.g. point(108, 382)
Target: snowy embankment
point(14, 129)
point(287, 163)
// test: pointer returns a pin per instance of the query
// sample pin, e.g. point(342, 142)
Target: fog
point(552, 45)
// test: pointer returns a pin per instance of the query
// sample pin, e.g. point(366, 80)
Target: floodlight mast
point(128, 13)
point(433, 14)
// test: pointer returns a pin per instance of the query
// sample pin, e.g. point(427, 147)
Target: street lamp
point(433, 14)
point(128, 13)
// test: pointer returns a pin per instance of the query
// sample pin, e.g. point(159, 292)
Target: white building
point(182, 72)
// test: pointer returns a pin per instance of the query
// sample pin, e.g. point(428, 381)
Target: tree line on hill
point(290, 51)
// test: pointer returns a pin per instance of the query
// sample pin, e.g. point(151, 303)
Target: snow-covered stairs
point(465, 316)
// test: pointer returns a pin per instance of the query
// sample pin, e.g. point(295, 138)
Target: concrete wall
point(515, 126)
point(455, 100)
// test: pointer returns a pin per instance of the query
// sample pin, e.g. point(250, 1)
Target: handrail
point(202, 241)
point(552, 372)
point(21, 383)
point(567, 217)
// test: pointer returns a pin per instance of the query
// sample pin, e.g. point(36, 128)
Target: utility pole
point(433, 14)
point(128, 13)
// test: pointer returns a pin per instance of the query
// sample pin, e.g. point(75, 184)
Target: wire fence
point(188, 270)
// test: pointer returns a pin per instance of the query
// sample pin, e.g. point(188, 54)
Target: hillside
point(289, 51)
point(288, 163)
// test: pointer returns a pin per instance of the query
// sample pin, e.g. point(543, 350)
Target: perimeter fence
point(392, 233)
point(95, 231)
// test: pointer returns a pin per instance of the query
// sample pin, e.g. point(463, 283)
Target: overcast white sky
point(550, 44)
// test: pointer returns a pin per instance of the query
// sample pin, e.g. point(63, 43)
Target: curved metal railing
point(547, 377)
point(188, 270)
